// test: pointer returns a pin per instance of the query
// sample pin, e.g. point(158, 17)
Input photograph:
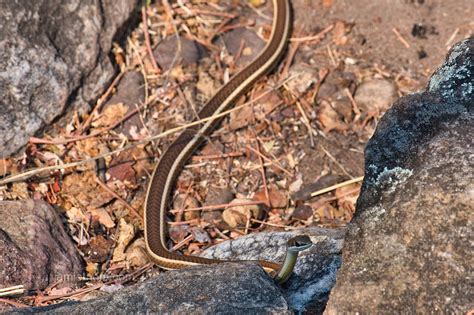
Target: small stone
point(296, 185)
point(304, 76)
point(218, 196)
point(98, 249)
point(253, 44)
point(375, 95)
point(191, 52)
point(200, 235)
point(183, 202)
point(303, 212)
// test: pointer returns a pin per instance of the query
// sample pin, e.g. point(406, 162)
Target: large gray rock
point(230, 288)
point(234, 288)
point(35, 251)
point(315, 273)
point(409, 246)
point(53, 54)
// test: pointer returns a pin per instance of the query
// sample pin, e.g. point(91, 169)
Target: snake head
point(299, 243)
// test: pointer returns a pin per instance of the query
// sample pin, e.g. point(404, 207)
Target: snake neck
point(287, 268)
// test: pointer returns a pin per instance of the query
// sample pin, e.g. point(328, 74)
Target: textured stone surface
point(171, 52)
point(315, 272)
point(35, 251)
point(53, 54)
point(235, 288)
point(409, 246)
point(231, 288)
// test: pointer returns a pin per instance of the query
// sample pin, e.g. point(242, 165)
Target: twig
point(289, 59)
point(331, 55)
point(17, 289)
point(264, 180)
point(333, 187)
point(452, 37)
point(142, 68)
point(221, 206)
point(274, 224)
point(314, 37)
point(147, 40)
point(276, 164)
point(400, 38)
point(13, 303)
point(217, 156)
point(186, 240)
point(169, 13)
point(96, 133)
point(32, 172)
point(355, 107)
point(335, 161)
point(113, 193)
point(100, 102)
point(123, 279)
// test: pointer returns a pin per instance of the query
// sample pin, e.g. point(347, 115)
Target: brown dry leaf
point(265, 104)
point(89, 146)
point(178, 232)
point(91, 268)
point(111, 114)
point(5, 167)
point(302, 212)
point(81, 190)
point(121, 168)
point(61, 291)
point(328, 3)
point(206, 85)
point(278, 198)
point(76, 215)
point(126, 234)
point(238, 215)
point(329, 118)
point(19, 191)
point(98, 249)
point(339, 33)
point(136, 253)
point(212, 148)
point(326, 212)
point(101, 215)
point(241, 117)
point(144, 165)
point(347, 198)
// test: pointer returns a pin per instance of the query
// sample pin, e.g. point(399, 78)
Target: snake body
point(172, 161)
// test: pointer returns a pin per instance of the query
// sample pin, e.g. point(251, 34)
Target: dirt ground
point(429, 27)
point(426, 30)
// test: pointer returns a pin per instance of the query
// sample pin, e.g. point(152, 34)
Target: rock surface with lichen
point(408, 246)
point(48, 64)
point(231, 287)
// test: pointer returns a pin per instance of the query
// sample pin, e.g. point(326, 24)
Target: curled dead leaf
point(126, 234)
point(111, 114)
point(237, 214)
point(183, 202)
point(329, 118)
point(101, 215)
point(136, 253)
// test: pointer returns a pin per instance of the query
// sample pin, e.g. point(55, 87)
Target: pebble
point(375, 95)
